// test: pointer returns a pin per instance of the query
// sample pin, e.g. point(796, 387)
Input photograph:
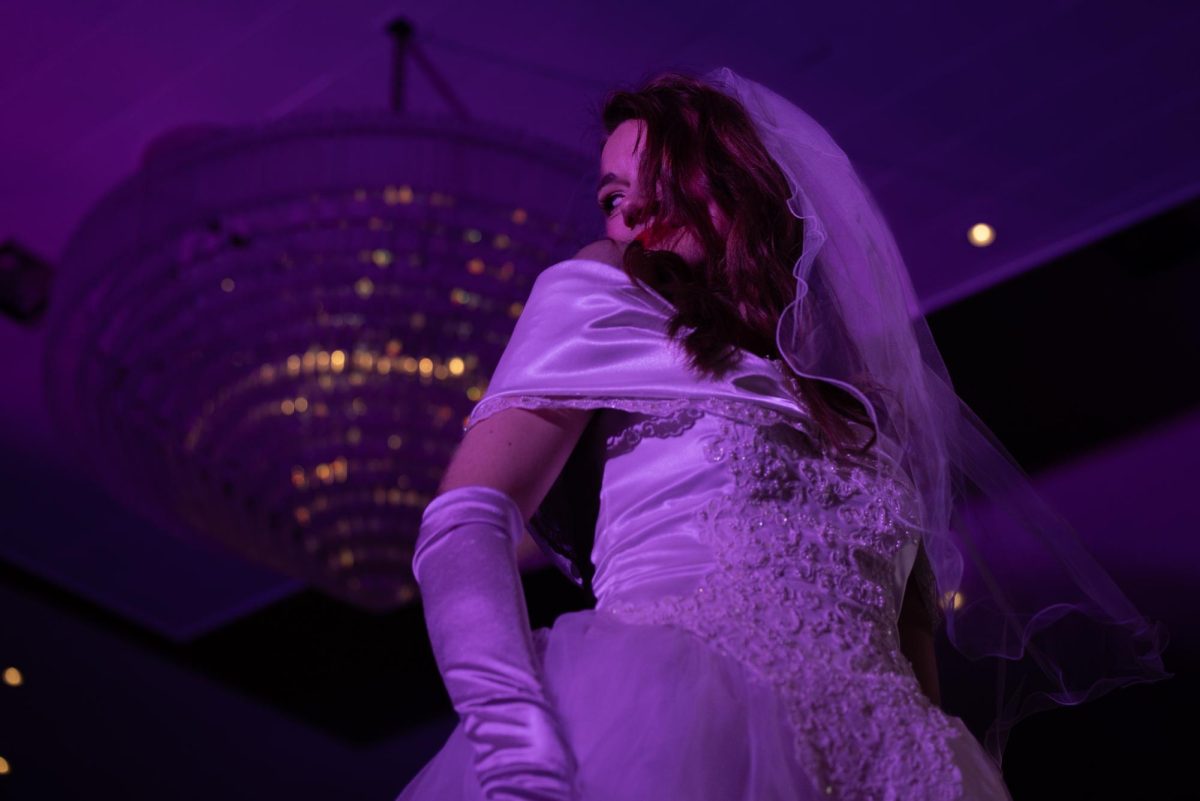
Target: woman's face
point(619, 201)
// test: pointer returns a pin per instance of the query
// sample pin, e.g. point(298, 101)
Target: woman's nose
point(633, 214)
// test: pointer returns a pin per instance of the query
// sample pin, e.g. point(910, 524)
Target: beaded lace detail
point(801, 595)
point(679, 408)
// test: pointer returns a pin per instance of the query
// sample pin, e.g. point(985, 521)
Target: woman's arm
point(916, 641)
point(465, 563)
point(522, 451)
point(517, 451)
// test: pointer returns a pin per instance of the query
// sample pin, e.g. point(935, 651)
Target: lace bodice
point(713, 512)
point(808, 558)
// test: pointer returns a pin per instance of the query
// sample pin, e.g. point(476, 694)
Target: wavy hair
point(700, 144)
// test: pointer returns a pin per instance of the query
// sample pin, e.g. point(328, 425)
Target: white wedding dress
point(744, 644)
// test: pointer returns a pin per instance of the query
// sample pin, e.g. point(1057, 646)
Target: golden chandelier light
point(269, 337)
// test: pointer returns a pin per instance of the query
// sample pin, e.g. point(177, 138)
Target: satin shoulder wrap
point(589, 338)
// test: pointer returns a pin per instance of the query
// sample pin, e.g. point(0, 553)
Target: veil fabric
point(1016, 586)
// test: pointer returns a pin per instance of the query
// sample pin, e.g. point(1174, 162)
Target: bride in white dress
point(765, 605)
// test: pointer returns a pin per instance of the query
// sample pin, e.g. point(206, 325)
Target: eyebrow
point(606, 179)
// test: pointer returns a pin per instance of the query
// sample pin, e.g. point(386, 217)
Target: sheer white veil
point(1017, 586)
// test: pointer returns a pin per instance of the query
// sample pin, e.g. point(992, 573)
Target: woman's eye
point(606, 203)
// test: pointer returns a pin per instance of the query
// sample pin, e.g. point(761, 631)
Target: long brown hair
point(700, 144)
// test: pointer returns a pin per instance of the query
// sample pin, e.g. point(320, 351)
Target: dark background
point(155, 669)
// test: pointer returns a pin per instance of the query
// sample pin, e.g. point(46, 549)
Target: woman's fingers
point(604, 250)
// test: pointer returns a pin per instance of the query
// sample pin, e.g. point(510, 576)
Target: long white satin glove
point(466, 565)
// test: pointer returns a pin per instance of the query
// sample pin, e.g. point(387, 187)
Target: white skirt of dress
point(652, 711)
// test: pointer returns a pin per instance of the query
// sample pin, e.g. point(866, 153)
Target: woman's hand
point(606, 250)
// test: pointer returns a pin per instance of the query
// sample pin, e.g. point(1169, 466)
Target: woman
point(728, 421)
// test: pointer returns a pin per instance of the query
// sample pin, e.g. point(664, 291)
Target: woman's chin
point(684, 246)
point(689, 250)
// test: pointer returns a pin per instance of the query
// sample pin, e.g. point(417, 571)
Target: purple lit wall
point(151, 663)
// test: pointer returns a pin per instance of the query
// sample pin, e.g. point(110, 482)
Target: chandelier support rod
point(401, 31)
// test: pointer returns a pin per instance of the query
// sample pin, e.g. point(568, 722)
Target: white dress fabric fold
point(744, 642)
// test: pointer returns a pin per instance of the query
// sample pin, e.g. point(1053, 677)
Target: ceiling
point(1058, 123)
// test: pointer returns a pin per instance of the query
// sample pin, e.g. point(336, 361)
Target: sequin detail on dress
point(802, 596)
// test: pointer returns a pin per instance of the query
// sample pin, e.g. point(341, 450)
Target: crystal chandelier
point(270, 337)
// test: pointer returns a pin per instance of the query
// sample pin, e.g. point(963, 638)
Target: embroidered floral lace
point(801, 594)
point(805, 551)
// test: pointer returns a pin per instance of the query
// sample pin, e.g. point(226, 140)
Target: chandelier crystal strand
point(268, 338)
